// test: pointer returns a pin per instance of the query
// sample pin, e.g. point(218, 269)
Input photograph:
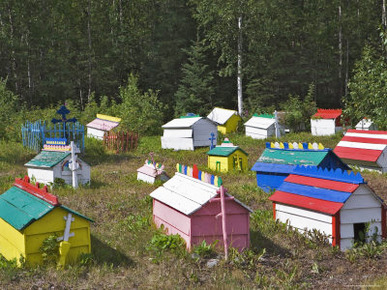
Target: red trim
point(274, 212)
point(364, 140)
point(324, 206)
point(328, 113)
point(336, 230)
point(367, 132)
point(40, 193)
point(384, 223)
point(322, 183)
point(357, 153)
point(195, 171)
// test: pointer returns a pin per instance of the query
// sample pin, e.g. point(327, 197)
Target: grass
point(129, 252)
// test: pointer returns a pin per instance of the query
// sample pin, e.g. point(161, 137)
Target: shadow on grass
point(259, 241)
point(105, 254)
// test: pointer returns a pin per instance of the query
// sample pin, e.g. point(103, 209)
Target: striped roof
point(328, 113)
point(317, 189)
point(187, 194)
point(362, 145)
point(24, 203)
point(220, 115)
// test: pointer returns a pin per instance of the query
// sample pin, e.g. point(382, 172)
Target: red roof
point(362, 145)
point(328, 113)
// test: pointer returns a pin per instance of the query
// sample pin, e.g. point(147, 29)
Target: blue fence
point(34, 134)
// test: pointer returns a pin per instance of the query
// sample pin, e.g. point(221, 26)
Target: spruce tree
point(196, 90)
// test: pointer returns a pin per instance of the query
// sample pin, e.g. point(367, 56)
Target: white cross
point(66, 235)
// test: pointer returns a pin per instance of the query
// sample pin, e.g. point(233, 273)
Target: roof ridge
point(330, 174)
point(43, 194)
point(296, 146)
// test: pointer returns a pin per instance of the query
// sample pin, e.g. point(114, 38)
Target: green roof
point(47, 159)
point(224, 150)
point(269, 116)
point(295, 157)
point(20, 208)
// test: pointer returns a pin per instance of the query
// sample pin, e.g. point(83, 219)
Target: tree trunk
point(239, 76)
point(13, 58)
point(340, 52)
point(89, 43)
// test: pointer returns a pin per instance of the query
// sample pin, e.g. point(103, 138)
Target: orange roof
point(328, 113)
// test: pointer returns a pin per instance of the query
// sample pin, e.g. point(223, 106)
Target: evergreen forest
point(183, 55)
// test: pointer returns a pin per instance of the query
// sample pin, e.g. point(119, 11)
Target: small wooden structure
point(326, 122)
point(227, 120)
point(120, 141)
point(189, 204)
point(29, 215)
point(227, 157)
point(366, 124)
point(262, 126)
point(187, 133)
point(151, 171)
point(101, 125)
point(338, 204)
point(278, 160)
point(54, 162)
point(364, 149)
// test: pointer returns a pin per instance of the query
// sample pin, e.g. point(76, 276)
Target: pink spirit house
point(195, 205)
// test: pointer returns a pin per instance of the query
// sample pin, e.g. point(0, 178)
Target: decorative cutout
point(295, 146)
point(331, 174)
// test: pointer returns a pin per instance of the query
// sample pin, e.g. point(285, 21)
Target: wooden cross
point(63, 111)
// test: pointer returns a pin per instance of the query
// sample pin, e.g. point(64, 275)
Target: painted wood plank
point(362, 201)
point(313, 192)
point(322, 183)
point(171, 230)
point(359, 145)
point(364, 140)
point(357, 154)
point(304, 213)
point(177, 133)
point(368, 132)
point(360, 215)
point(177, 143)
point(305, 223)
point(175, 218)
point(306, 202)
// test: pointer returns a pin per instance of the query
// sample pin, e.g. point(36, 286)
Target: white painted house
point(187, 133)
point(101, 125)
point(326, 122)
point(151, 172)
point(338, 204)
point(52, 163)
point(261, 126)
point(366, 124)
point(227, 120)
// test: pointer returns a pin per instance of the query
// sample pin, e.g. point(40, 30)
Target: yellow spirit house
point(227, 120)
point(29, 215)
point(227, 157)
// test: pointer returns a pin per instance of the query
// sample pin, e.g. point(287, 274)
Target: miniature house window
point(359, 232)
point(217, 165)
point(65, 166)
point(237, 163)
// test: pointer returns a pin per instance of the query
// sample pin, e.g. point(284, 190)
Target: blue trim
point(313, 192)
point(200, 175)
point(272, 167)
point(270, 181)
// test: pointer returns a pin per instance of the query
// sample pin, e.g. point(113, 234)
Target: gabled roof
point(224, 151)
point(283, 160)
point(151, 170)
point(47, 159)
point(102, 124)
point(260, 122)
point(316, 189)
point(362, 145)
point(23, 204)
point(328, 113)
point(182, 122)
point(187, 194)
point(221, 116)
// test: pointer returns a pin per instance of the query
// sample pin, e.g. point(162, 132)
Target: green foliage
point(369, 250)
point(161, 243)
point(368, 89)
point(205, 250)
point(8, 106)
point(140, 112)
point(298, 111)
point(8, 269)
point(196, 90)
point(50, 250)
